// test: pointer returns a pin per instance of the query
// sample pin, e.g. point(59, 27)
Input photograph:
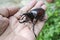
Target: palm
point(16, 29)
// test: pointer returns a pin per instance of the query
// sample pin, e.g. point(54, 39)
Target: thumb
point(3, 24)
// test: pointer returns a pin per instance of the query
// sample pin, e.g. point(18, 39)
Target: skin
point(16, 30)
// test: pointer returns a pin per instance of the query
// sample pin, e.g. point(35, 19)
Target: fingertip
point(4, 12)
point(38, 4)
point(29, 5)
point(41, 2)
point(44, 7)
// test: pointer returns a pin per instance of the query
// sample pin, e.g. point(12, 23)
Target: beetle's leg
point(23, 19)
point(34, 22)
point(34, 30)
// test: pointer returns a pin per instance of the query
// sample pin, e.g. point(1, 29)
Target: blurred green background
point(51, 29)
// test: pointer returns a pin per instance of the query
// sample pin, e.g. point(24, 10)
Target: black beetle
point(34, 15)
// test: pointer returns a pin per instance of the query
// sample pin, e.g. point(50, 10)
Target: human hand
point(16, 30)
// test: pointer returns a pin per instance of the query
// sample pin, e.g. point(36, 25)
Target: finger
point(29, 5)
point(38, 5)
point(3, 24)
point(12, 10)
point(44, 7)
point(7, 11)
point(25, 9)
point(4, 12)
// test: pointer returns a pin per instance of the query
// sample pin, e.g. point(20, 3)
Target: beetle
point(34, 15)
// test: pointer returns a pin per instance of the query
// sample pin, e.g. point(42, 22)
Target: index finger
point(25, 9)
